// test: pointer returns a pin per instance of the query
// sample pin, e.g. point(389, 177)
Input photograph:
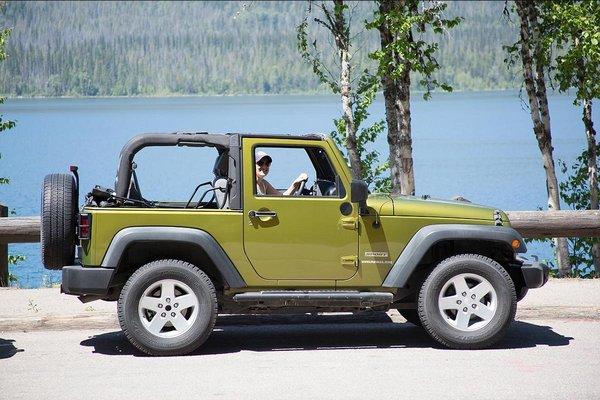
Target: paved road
point(329, 357)
point(47, 309)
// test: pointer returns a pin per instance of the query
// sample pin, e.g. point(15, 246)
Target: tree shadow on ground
point(8, 349)
point(323, 332)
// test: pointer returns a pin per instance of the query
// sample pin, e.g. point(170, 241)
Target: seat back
point(221, 182)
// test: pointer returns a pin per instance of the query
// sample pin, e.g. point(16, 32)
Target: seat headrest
point(222, 165)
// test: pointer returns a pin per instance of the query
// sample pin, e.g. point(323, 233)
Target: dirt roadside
point(48, 309)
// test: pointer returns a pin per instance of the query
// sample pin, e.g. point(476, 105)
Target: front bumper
point(535, 274)
point(80, 280)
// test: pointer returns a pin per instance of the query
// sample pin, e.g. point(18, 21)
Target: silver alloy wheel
point(467, 302)
point(168, 308)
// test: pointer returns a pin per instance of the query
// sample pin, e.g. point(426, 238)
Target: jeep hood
point(411, 206)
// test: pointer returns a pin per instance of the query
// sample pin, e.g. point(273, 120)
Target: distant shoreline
point(158, 96)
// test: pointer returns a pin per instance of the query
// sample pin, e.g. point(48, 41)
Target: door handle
point(261, 214)
point(350, 223)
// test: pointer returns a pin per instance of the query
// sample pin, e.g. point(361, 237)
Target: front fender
point(429, 235)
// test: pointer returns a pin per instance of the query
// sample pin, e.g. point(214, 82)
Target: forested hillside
point(150, 48)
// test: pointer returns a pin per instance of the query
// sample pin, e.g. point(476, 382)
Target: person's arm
point(296, 184)
point(270, 190)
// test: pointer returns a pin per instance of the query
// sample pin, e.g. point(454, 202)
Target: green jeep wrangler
point(327, 245)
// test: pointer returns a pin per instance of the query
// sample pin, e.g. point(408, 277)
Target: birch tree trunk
point(540, 115)
point(590, 134)
point(396, 93)
point(407, 177)
point(342, 41)
point(393, 133)
point(391, 115)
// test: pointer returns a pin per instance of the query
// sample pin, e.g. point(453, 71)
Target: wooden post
point(3, 253)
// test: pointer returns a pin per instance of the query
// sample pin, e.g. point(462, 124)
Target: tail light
point(85, 222)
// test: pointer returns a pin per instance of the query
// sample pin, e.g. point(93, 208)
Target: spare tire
point(59, 219)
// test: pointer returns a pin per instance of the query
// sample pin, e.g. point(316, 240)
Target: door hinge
point(349, 261)
point(350, 223)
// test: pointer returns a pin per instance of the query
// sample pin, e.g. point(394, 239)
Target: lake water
point(479, 144)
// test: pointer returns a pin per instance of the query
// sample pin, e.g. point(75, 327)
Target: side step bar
point(291, 298)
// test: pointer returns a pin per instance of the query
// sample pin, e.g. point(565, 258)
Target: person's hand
point(296, 184)
point(302, 177)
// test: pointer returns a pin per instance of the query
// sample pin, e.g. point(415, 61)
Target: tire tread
point(58, 217)
point(467, 346)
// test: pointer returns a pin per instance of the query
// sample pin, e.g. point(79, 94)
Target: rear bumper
point(535, 274)
point(80, 280)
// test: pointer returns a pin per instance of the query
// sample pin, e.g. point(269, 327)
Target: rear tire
point(59, 219)
point(168, 308)
point(467, 302)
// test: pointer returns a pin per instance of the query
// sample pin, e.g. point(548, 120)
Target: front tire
point(167, 308)
point(411, 316)
point(522, 292)
point(468, 301)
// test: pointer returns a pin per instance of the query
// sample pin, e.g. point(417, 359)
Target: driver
point(263, 187)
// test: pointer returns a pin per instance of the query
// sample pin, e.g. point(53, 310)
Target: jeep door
point(303, 236)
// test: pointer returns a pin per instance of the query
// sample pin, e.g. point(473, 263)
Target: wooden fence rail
point(20, 230)
point(564, 223)
point(530, 224)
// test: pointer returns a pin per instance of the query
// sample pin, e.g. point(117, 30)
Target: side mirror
point(359, 191)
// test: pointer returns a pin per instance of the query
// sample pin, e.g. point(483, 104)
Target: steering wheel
point(301, 188)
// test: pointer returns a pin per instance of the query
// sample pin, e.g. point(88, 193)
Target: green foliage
point(362, 92)
point(361, 100)
point(563, 46)
point(12, 260)
point(574, 28)
point(575, 192)
point(568, 38)
point(311, 54)
point(4, 124)
point(317, 47)
point(540, 49)
point(410, 49)
point(212, 48)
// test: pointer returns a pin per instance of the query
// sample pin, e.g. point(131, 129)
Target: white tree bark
point(590, 134)
point(407, 178)
point(342, 41)
point(540, 114)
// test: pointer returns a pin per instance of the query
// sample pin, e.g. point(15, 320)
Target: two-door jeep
point(326, 246)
